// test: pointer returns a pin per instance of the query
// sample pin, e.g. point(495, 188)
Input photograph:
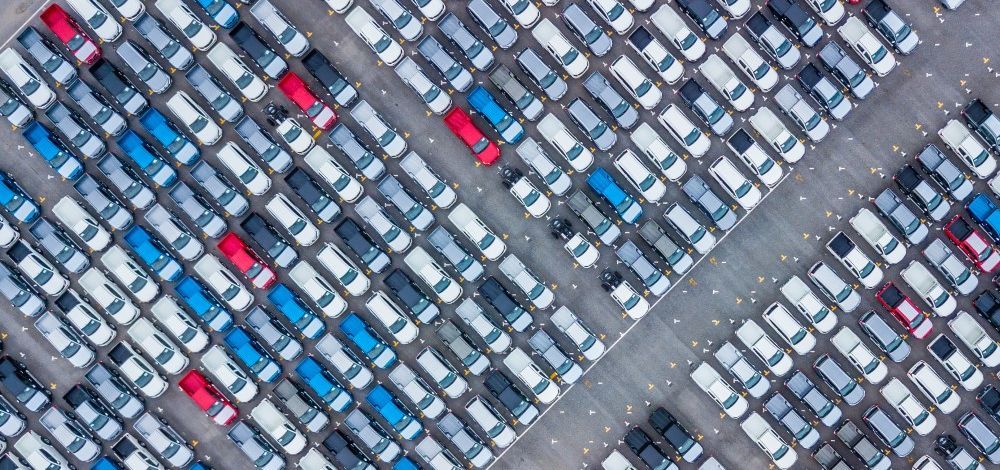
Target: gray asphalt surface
point(649, 366)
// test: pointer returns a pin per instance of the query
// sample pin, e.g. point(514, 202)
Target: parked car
point(300, 405)
point(87, 408)
point(363, 25)
point(255, 447)
point(330, 77)
point(710, 382)
point(179, 324)
point(750, 62)
point(970, 150)
point(863, 360)
point(531, 376)
point(643, 446)
point(284, 32)
point(560, 49)
point(161, 40)
point(913, 412)
point(121, 90)
point(740, 367)
point(793, 422)
point(263, 145)
point(693, 232)
point(343, 269)
point(933, 387)
point(794, 106)
point(139, 373)
point(459, 35)
point(773, 41)
point(847, 72)
point(768, 440)
point(467, 442)
point(360, 333)
point(754, 337)
point(294, 310)
point(44, 53)
point(495, 338)
point(278, 427)
point(113, 390)
point(920, 192)
point(257, 49)
point(818, 403)
point(163, 439)
point(66, 341)
point(862, 446)
point(725, 81)
point(824, 91)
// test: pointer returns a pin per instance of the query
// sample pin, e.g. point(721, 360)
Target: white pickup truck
point(872, 51)
point(777, 135)
point(532, 376)
point(920, 279)
point(662, 156)
point(726, 82)
point(971, 334)
point(969, 149)
point(873, 231)
point(446, 288)
point(862, 358)
point(808, 304)
point(670, 23)
point(750, 62)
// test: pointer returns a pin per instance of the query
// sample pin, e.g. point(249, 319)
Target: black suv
point(268, 238)
point(335, 82)
point(319, 201)
point(510, 397)
point(987, 304)
point(504, 303)
point(410, 295)
point(643, 446)
point(674, 433)
point(791, 14)
point(345, 452)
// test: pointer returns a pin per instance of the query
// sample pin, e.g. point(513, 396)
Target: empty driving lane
point(783, 237)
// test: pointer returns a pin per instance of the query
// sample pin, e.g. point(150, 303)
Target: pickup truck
point(651, 277)
point(920, 279)
point(670, 23)
point(872, 51)
point(662, 156)
point(873, 231)
point(954, 270)
point(546, 347)
point(947, 175)
point(772, 41)
point(584, 208)
point(754, 157)
point(920, 192)
point(855, 260)
point(808, 304)
point(794, 423)
point(758, 429)
point(981, 118)
point(973, 153)
point(678, 259)
point(836, 61)
point(777, 135)
point(750, 62)
point(802, 113)
point(666, 65)
point(892, 208)
point(532, 376)
point(470, 357)
point(974, 336)
point(700, 193)
point(726, 82)
point(862, 446)
point(857, 353)
point(447, 289)
point(737, 364)
point(891, 26)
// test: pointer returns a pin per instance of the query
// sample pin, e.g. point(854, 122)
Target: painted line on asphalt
point(19, 28)
point(636, 323)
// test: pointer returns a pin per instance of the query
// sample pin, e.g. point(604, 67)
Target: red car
point(460, 123)
point(905, 311)
point(296, 90)
point(236, 251)
point(208, 398)
point(976, 247)
point(62, 25)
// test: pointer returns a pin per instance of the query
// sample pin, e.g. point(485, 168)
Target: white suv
point(491, 422)
point(163, 351)
point(179, 324)
point(194, 118)
point(292, 219)
point(129, 274)
point(447, 289)
point(790, 330)
point(754, 337)
point(107, 295)
point(26, 79)
point(491, 246)
point(230, 64)
point(201, 36)
point(643, 180)
point(225, 370)
point(387, 50)
point(735, 184)
point(392, 317)
point(343, 269)
point(278, 427)
point(222, 281)
point(710, 382)
point(683, 130)
point(316, 287)
point(635, 82)
point(933, 387)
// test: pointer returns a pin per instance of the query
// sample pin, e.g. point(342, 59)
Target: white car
point(906, 404)
point(447, 289)
point(283, 30)
point(274, 423)
point(531, 376)
point(586, 341)
point(878, 236)
point(107, 295)
point(933, 387)
point(970, 150)
point(754, 337)
point(8, 233)
point(920, 279)
point(295, 136)
point(388, 138)
point(223, 282)
point(725, 81)
point(613, 13)
point(562, 51)
point(128, 273)
point(169, 228)
point(131, 10)
point(831, 11)
point(554, 177)
point(534, 201)
point(442, 373)
point(137, 371)
point(65, 340)
point(198, 33)
point(710, 382)
point(394, 236)
point(440, 193)
point(863, 360)
point(670, 23)
point(74, 217)
point(789, 329)
point(809, 305)
point(316, 287)
point(292, 219)
point(228, 374)
point(536, 291)
point(492, 335)
point(490, 421)
point(392, 317)
point(769, 441)
point(975, 337)
point(658, 152)
point(344, 361)
point(179, 324)
point(363, 25)
point(339, 6)
point(247, 172)
point(97, 18)
point(194, 118)
point(345, 185)
point(526, 13)
point(419, 393)
point(755, 158)
point(491, 246)
point(569, 147)
point(680, 127)
point(343, 269)
point(750, 62)
point(39, 270)
point(230, 64)
point(870, 48)
point(666, 65)
point(432, 9)
point(955, 362)
point(643, 180)
point(693, 231)
point(436, 99)
point(855, 260)
point(38, 453)
point(26, 79)
point(735, 184)
point(82, 316)
point(777, 135)
point(401, 19)
point(163, 351)
point(633, 304)
point(583, 252)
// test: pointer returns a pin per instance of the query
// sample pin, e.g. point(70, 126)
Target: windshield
point(297, 226)
point(192, 28)
point(624, 205)
point(570, 56)
point(902, 32)
point(941, 299)
point(692, 136)
point(743, 189)
point(688, 41)
point(244, 80)
point(498, 28)
point(761, 70)
point(785, 45)
point(598, 130)
point(75, 42)
point(382, 44)
point(548, 79)
point(288, 34)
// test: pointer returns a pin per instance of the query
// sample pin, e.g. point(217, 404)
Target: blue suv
point(324, 384)
point(143, 155)
point(201, 302)
point(152, 253)
point(252, 355)
point(603, 184)
point(383, 401)
point(295, 311)
point(365, 338)
point(176, 144)
point(484, 103)
point(984, 210)
point(53, 151)
point(16, 200)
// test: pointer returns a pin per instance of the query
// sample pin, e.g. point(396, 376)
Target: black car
point(920, 192)
point(643, 446)
point(824, 91)
point(92, 412)
point(705, 16)
point(829, 458)
point(362, 245)
point(114, 81)
point(268, 238)
point(675, 435)
point(891, 26)
point(345, 452)
point(989, 400)
point(510, 397)
point(407, 292)
point(504, 303)
point(335, 82)
point(791, 14)
point(269, 61)
point(705, 107)
point(981, 118)
point(987, 304)
point(16, 379)
point(319, 201)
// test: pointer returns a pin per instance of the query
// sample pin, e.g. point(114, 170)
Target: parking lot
point(649, 367)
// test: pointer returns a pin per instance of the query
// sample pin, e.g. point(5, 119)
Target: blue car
point(105, 463)
point(484, 103)
point(153, 254)
point(252, 355)
point(201, 302)
point(145, 157)
point(176, 144)
point(405, 464)
point(221, 12)
point(383, 401)
point(984, 210)
point(50, 148)
point(324, 384)
point(296, 311)
point(365, 338)
point(603, 184)
point(16, 200)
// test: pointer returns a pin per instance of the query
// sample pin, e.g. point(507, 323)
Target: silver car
point(203, 216)
point(218, 98)
point(700, 193)
point(586, 30)
point(365, 160)
point(463, 262)
point(523, 99)
point(835, 289)
point(276, 157)
point(59, 246)
point(473, 48)
point(47, 56)
point(126, 181)
point(592, 125)
point(78, 134)
point(613, 102)
point(491, 22)
point(104, 203)
point(216, 185)
point(96, 108)
point(541, 74)
point(413, 211)
point(163, 43)
point(143, 66)
point(441, 59)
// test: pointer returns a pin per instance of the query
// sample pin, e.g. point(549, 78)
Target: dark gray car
point(891, 434)
point(104, 203)
point(793, 422)
point(466, 264)
point(945, 173)
point(981, 436)
point(143, 66)
point(255, 447)
point(710, 203)
point(441, 59)
point(612, 101)
point(846, 70)
point(541, 74)
point(491, 22)
point(892, 208)
point(113, 390)
point(591, 124)
point(884, 337)
point(218, 98)
point(219, 189)
point(78, 135)
point(276, 157)
point(202, 214)
point(513, 89)
point(839, 380)
point(652, 278)
point(584, 208)
point(862, 446)
point(126, 181)
point(364, 160)
point(473, 48)
point(59, 246)
point(412, 210)
point(47, 56)
point(805, 390)
point(163, 43)
point(586, 30)
point(678, 259)
point(97, 108)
